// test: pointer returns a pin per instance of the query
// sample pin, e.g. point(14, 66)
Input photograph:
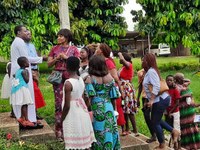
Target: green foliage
point(24, 145)
point(177, 20)
point(93, 21)
point(41, 17)
point(97, 21)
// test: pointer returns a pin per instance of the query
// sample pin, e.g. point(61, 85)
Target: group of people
point(93, 97)
point(21, 84)
point(177, 104)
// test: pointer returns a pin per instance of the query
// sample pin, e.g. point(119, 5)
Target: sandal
point(21, 122)
point(128, 132)
point(28, 123)
point(152, 139)
point(136, 134)
point(124, 133)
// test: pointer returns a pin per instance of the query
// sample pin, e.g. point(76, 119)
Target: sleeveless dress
point(20, 94)
point(5, 87)
point(120, 120)
point(77, 126)
point(104, 120)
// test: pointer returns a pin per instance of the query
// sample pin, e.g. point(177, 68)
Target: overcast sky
point(127, 9)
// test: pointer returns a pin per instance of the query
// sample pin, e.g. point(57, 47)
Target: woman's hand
point(150, 103)
point(63, 56)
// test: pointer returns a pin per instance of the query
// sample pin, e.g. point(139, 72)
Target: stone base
point(153, 144)
point(38, 135)
point(9, 125)
point(131, 142)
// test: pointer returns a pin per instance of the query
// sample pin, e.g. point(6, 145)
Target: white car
point(161, 49)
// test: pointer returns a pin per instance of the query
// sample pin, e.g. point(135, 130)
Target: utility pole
point(64, 14)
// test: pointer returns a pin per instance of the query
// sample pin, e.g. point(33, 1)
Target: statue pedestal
point(10, 125)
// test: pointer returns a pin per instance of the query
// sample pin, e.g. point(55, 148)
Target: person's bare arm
point(67, 89)
point(51, 61)
point(25, 75)
point(123, 61)
point(139, 94)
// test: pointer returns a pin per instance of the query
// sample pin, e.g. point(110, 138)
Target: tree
point(90, 21)
point(97, 21)
point(172, 22)
point(40, 16)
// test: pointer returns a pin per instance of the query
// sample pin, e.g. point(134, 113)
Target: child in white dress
point(6, 84)
point(20, 94)
point(77, 126)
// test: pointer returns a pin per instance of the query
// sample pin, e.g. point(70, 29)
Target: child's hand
point(88, 79)
point(120, 55)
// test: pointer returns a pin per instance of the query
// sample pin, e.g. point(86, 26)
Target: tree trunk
point(64, 14)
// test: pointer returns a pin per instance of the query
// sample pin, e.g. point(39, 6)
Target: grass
point(47, 89)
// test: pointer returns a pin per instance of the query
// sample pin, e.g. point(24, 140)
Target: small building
point(133, 43)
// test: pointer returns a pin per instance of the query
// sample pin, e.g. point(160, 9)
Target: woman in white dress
point(77, 126)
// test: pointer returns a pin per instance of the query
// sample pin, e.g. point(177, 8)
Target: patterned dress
point(61, 66)
point(129, 102)
point(190, 136)
point(104, 121)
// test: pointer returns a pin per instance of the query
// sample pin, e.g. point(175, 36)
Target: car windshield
point(164, 46)
point(154, 46)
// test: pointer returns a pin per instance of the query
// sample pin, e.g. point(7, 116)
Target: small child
point(6, 84)
point(6, 87)
point(172, 112)
point(77, 126)
point(39, 99)
point(128, 93)
point(20, 94)
point(173, 109)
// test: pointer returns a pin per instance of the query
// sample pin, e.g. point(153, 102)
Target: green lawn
point(47, 90)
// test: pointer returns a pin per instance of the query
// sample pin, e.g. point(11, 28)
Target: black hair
point(97, 66)
point(66, 33)
point(127, 57)
point(17, 29)
point(89, 52)
point(73, 64)
point(169, 76)
point(21, 61)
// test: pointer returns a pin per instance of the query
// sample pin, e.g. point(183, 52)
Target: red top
point(175, 95)
point(69, 51)
point(126, 73)
point(110, 63)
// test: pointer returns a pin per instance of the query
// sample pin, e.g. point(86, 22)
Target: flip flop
point(124, 133)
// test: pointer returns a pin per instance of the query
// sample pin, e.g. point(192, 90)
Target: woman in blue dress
point(101, 88)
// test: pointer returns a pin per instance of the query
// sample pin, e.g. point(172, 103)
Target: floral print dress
point(104, 120)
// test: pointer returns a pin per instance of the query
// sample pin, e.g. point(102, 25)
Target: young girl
point(172, 111)
point(5, 88)
point(77, 126)
point(20, 94)
point(128, 93)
